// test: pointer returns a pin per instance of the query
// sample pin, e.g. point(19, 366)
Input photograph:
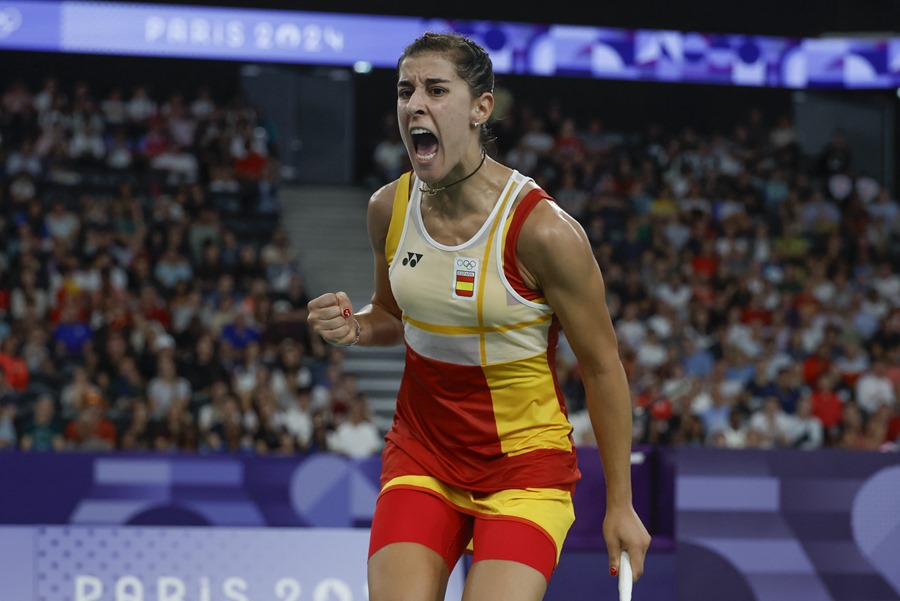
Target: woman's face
point(433, 101)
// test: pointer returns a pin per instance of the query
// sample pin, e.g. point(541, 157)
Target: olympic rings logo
point(467, 264)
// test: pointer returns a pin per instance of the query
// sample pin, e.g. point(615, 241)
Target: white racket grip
point(626, 578)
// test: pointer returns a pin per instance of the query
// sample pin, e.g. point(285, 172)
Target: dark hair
point(473, 64)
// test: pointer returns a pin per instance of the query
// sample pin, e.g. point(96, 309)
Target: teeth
point(419, 130)
point(426, 157)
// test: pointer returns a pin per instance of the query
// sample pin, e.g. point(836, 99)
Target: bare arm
point(556, 257)
point(331, 315)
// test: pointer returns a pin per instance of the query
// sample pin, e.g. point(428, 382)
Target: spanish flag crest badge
point(465, 274)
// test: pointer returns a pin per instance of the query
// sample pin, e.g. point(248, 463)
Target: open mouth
point(425, 143)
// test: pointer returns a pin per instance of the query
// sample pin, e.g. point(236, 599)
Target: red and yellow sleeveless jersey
point(479, 406)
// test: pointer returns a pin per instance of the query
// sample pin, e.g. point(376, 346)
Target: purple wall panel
point(754, 526)
point(829, 528)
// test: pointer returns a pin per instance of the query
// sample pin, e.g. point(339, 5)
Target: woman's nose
point(415, 103)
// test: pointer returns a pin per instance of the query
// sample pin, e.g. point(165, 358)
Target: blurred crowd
point(754, 284)
point(151, 299)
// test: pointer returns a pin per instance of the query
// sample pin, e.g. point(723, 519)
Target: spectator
point(651, 352)
point(211, 409)
point(357, 436)
point(152, 307)
point(203, 105)
point(322, 429)
point(8, 435)
point(717, 415)
point(697, 362)
point(290, 372)
point(285, 325)
point(630, 329)
point(73, 393)
point(390, 156)
point(172, 268)
point(43, 430)
point(24, 160)
point(205, 228)
point(568, 145)
point(28, 296)
point(789, 389)
point(874, 389)
point(210, 269)
point(176, 431)
point(72, 335)
point(250, 166)
point(114, 109)
point(298, 418)
point(120, 150)
point(847, 433)
point(884, 214)
point(241, 332)
point(760, 387)
point(886, 282)
point(826, 404)
point(173, 160)
point(186, 303)
point(90, 429)
point(836, 156)
point(268, 436)
point(12, 365)
point(805, 430)
point(851, 363)
point(222, 180)
point(691, 431)
point(137, 435)
point(141, 107)
point(248, 267)
point(227, 433)
point(36, 352)
point(734, 434)
point(819, 215)
point(166, 389)
point(773, 425)
point(127, 385)
point(62, 224)
point(203, 367)
point(87, 147)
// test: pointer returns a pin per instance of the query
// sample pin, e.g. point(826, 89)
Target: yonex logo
point(10, 20)
point(412, 259)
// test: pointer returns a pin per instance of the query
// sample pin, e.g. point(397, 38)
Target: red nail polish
point(613, 571)
point(346, 312)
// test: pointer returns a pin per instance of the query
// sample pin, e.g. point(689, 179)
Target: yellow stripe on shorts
point(549, 509)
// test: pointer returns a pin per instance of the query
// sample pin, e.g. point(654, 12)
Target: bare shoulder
point(553, 249)
point(381, 206)
point(382, 200)
point(549, 229)
point(380, 211)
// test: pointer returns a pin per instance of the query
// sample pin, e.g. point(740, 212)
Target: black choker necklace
point(426, 189)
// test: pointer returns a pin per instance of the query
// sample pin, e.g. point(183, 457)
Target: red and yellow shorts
point(524, 525)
